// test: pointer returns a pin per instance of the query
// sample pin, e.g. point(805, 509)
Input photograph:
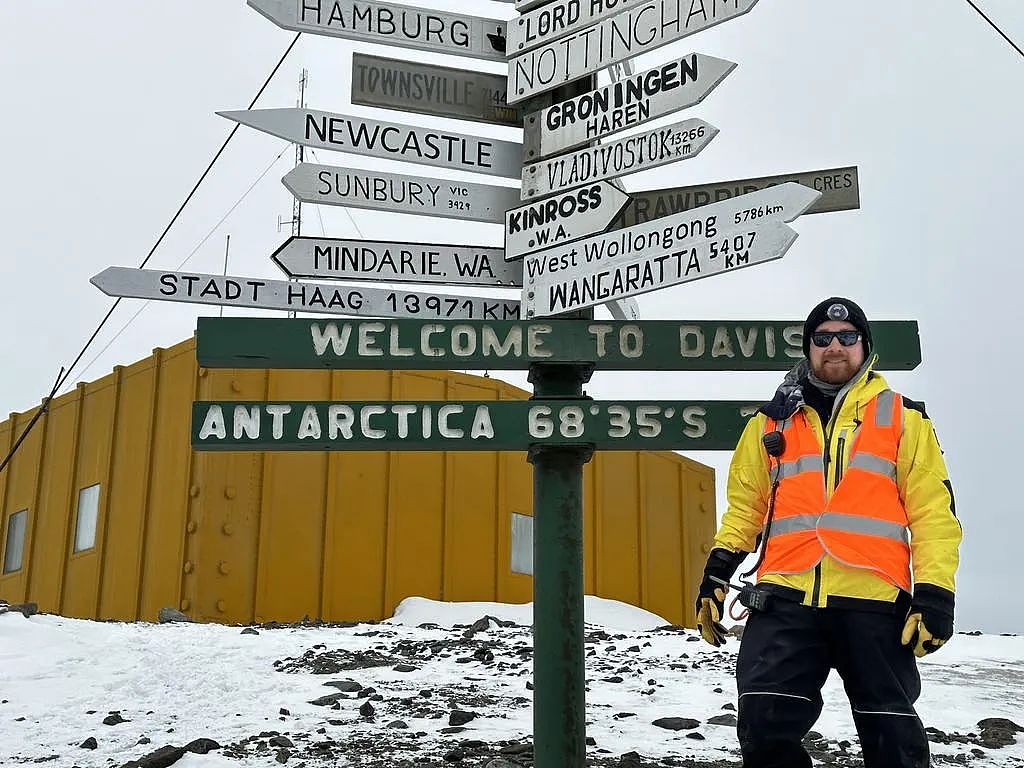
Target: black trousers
point(785, 657)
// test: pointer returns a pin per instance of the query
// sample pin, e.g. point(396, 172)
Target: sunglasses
point(824, 338)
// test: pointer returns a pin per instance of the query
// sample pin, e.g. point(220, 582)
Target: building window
point(14, 545)
point(85, 528)
point(522, 544)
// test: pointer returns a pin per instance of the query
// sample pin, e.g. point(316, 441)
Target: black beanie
point(837, 308)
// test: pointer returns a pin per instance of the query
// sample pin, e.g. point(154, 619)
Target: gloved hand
point(721, 564)
point(930, 622)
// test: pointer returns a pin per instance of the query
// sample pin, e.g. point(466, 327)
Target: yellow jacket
point(924, 488)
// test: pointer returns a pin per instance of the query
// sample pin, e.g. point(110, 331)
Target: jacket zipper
point(829, 430)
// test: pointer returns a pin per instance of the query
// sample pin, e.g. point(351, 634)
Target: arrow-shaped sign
point(260, 293)
point(631, 33)
point(625, 103)
point(391, 141)
point(422, 195)
point(390, 24)
point(341, 259)
point(656, 147)
point(561, 219)
point(556, 20)
point(675, 249)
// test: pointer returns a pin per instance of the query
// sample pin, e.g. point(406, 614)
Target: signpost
point(557, 220)
point(407, 26)
point(632, 32)
point(681, 248)
point(654, 148)
point(839, 187)
point(508, 425)
point(426, 344)
point(389, 141)
point(261, 293)
point(623, 104)
point(557, 19)
point(422, 195)
point(343, 259)
point(427, 89)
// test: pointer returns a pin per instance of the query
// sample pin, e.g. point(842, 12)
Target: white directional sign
point(630, 33)
point(337, 259)
point(685, 246)
point(390, 24)
point(558, 19)
point(626, 103)
point(391, 141)
point(422, 195)
point(624, 309)
point(563, 218)
point(678, 141)
point(261, 293)
point(553, 293)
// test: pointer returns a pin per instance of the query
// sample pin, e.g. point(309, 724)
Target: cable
point(189, 257)
point(65, 373)
point(995, 27)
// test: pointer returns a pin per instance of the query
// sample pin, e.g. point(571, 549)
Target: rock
point(168, 615)
point(997, 732)
point(328, 700)
point(144, 740)
point(201, 746)
point(25, 609)
point(629, 760)
point(676, 723)
point(590, 741)
point(612, 679)
point(731, 707)
point(401, 724)
point(250, 631)
point(282, 756)
point(718, 690)
point(480, 625)
point(161, 758)
point(454, 756)
point(622, 715)
point(367, 710)
point(727, 719)
point(453, 729)
point(114, 719)
point(280, 741)
point(345, 686)
point(736, 630)
point(521, 748)
point(483, 654)
point(365, 692)
point(1000, 722)
point(696, 735)
point(459, 717)
point(404, 668)
point(499, 762)
point(89, 743)
point(283, 711)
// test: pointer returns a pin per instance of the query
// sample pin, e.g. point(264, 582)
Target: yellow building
point(108, 513)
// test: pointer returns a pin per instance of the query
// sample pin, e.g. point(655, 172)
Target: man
point(842, 482)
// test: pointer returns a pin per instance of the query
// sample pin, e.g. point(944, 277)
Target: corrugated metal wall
point(341, 536)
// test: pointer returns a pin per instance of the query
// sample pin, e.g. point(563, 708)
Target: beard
point(837, 371)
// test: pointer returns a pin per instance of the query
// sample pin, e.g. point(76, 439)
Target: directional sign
point(630, 33)
point(390, 24)
point(391, 141)
point(342, 259)
point(558, 19)
point(422, 195)
point(510, 425)
point(561, 219)
point(260, 293)
point(839, 187)
point(552, 293)
point(659, 146)
point(411, 86)
point(625, 103)
point(686, 246)
point(423, 344)
point(624, 309)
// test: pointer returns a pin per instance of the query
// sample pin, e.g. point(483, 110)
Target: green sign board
point(612, 345)
point(507, 425)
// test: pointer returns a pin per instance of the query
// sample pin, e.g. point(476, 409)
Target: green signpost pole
point(559, 712)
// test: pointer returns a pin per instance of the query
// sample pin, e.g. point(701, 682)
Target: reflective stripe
point(869, 712)
point(793, 524)
point(883, 412)
point(813, 463)
point(871, 463)
point(837, 521)
point(770, 693)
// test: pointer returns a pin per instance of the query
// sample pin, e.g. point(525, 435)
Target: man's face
point(835, 363)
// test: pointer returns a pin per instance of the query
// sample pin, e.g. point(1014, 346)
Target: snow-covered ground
point(167, 685)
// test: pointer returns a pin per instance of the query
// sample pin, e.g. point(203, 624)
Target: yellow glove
point(917, 634)
point(709, 615)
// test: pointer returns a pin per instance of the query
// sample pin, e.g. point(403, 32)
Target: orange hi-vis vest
point(862, 523)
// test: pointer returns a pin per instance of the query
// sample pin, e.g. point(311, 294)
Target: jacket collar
point(789, 396)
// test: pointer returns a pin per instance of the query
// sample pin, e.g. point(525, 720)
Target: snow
point(174, 683)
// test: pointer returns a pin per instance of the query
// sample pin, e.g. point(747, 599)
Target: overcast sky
point(109, 120)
